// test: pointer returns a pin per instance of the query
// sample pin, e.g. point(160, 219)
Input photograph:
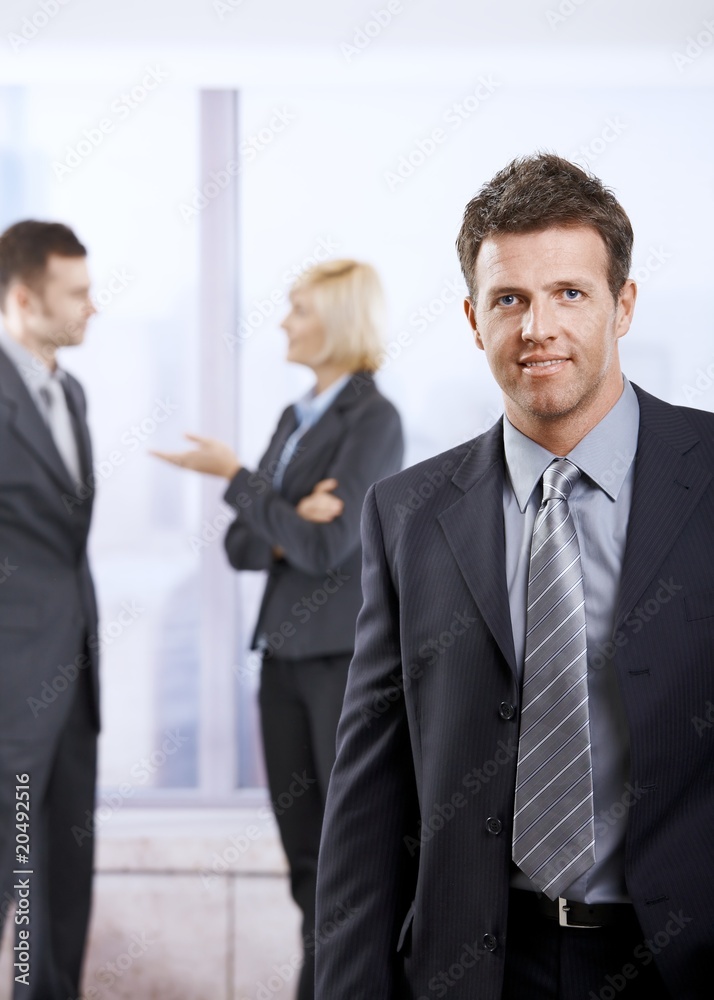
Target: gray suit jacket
point(48, 613)
point(314, 594)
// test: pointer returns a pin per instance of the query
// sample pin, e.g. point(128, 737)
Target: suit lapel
point(28, 423)
point(475, 533)
point(325, 432)
point(669, 484)
point(286, 425)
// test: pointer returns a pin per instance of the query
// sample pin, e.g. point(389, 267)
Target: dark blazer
point(314, 594)
point(416, 850)
point(47, 601)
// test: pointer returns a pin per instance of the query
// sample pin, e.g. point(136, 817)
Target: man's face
point(57, 310)
point(547, 321)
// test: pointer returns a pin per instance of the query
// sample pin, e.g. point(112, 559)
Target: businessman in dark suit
point(49, 715)
point(522, 803)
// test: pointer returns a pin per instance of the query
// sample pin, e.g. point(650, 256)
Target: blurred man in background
point(49, 717)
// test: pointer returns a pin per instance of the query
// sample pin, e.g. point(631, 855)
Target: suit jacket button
point(489, 942)
point(506, 710)
point(494, 825)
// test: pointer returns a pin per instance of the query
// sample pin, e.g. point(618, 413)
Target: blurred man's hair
point(537, 192)
point(25, 248)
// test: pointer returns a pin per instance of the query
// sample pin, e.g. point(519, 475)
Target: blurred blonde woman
point(298, 516)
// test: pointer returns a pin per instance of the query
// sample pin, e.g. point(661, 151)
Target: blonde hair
point(349, 300)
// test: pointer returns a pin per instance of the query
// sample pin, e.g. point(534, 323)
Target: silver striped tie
point(553, 829)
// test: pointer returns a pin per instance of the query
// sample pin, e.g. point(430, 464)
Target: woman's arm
point(247, 552)
point(244, 550)
point(313, 536)
point(371, 449)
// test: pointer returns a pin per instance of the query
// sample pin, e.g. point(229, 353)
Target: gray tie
point(60, 423)
point(553, 831)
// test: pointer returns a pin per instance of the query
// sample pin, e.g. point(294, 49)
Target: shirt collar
point(311, 406)
point(604, 455)
point(34, 372)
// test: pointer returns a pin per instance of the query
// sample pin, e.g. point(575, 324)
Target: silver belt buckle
point(563, 910)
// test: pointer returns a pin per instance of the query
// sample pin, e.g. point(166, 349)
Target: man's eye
point(572, 294)
point(507, 300)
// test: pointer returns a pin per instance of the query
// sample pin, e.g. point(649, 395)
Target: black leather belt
point(570, 913)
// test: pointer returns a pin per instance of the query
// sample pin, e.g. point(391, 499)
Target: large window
point(199, 209)
point(115, 163)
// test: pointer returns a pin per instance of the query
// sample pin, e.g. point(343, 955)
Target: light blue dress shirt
point(308, 411)
point(600, 504)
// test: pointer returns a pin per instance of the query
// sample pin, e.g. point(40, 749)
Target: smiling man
point(528, 813)
point(48, 616)
point(548, 322)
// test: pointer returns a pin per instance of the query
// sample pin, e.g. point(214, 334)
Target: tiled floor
point(188, 905)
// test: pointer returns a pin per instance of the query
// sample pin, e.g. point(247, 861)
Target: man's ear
point(625, 307)
point(470, 311)
point(21, 294)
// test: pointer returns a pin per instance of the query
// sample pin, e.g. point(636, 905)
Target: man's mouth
point(543, 364)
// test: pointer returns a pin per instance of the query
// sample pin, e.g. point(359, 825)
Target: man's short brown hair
point(25, 248)
point(537, 192)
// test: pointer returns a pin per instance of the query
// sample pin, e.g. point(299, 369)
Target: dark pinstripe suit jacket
point(47, 601)
point(313, 595)
point(416, 853)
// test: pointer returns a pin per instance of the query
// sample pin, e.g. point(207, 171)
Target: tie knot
point(559, 479)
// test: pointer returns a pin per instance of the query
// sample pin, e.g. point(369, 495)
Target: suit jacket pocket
point(19, 616)
point(406, 927)
point(699, 605)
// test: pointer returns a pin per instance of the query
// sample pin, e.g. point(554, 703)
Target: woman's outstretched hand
point(211, 456)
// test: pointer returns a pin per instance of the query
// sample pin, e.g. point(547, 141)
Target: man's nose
point(538, 323)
